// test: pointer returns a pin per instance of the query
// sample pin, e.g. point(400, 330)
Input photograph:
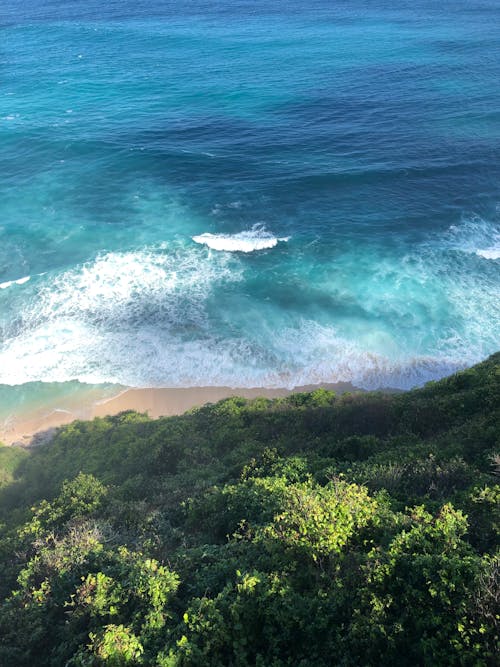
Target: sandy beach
point(35, 427)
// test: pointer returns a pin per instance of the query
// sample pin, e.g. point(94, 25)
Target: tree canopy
point(306, 531)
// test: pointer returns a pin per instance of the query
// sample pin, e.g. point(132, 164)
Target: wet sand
point(35, 428)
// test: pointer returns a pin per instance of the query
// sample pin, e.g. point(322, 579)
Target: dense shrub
point(313, 530)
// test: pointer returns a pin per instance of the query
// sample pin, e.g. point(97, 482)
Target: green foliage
point(305, 531)
point(80, 497)
point(10, 459)
point(318, 521)
point(115, 646)
point(426, 567)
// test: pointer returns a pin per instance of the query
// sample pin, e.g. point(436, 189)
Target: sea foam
point(477, 236)
point(19, 281)
point(253, 239)
point(489, 253)
point(145, 357)
point(111, 317)
point(170, 316)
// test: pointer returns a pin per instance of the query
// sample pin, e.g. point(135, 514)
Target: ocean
point(251, 194)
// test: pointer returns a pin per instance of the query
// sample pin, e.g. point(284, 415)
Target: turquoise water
point(248, 193)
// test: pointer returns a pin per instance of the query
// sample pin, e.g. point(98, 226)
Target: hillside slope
point(308, 531)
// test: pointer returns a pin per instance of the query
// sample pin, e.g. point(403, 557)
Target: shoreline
point(36, 427)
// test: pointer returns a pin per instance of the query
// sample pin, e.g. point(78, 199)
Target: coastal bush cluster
point(307, 531)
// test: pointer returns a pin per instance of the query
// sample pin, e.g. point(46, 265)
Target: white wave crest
point(19, 281)
point(112, 317)
point(316, 354)
point(489, 253)
point(163, 317)
point(253, 239)
point(303, 355)
point(121, 285)
point(476, 236)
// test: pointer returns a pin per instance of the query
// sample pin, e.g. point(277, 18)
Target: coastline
point(35, 427)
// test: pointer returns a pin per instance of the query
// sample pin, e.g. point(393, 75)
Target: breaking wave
point(489, 253)
point(19, 281)
point(477, 236)
point(256, 238)
point(178, 315)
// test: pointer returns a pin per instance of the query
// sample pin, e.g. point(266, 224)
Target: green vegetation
point(10, 458)
point(309, 531)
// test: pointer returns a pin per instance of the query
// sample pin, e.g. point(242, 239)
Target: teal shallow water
point(343, 162)
point(36, 400)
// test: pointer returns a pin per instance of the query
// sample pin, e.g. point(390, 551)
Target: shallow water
point(248, 194)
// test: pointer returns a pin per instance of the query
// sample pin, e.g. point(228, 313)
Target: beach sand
point(26, 429)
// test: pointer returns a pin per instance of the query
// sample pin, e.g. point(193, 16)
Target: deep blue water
point(363, 135)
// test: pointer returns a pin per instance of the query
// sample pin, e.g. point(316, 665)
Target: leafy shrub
point(305, 531)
